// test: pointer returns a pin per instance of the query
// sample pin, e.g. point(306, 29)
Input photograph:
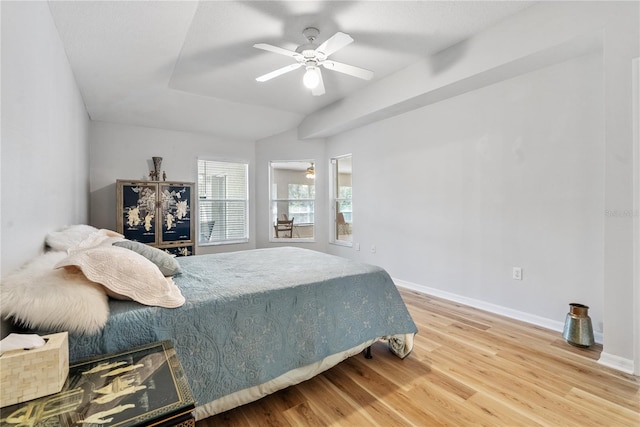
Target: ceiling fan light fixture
point(312, 57)
point(311, 172)
point(311, 79)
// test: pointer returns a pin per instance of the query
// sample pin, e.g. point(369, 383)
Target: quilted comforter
point(255, 315)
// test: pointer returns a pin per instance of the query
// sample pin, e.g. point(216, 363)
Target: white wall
point(455, 194)
point(287, 146)
point(519, 45)
point(124, 152)
point(45, 178)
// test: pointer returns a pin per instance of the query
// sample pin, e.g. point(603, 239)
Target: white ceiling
point(191, 66)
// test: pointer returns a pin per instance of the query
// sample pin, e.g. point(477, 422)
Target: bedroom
point(474, 148)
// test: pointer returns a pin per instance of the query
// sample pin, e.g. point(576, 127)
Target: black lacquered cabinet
point(158, 213)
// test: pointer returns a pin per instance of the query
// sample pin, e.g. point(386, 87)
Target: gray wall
point(45, 178)
point(546, 192)
point(124, 152)
point(455, 194)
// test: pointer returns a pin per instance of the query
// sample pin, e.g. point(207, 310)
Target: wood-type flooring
point(468, 368)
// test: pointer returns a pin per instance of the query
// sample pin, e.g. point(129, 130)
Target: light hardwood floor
point(468, 367)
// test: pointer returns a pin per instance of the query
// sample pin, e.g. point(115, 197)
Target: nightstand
point(145, 386)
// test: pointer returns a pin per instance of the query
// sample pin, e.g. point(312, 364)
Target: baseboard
point(609, 360)
point(554, 325)
point(616, 362)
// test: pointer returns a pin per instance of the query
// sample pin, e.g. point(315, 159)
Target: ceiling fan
point(311, 171)
point(312, 57)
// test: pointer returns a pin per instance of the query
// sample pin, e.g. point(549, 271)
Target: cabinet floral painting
point(176, 213)
point(139, 212)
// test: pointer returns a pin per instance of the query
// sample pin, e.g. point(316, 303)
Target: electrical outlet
point(517, 273)
point(373, 249)
point(357, 246)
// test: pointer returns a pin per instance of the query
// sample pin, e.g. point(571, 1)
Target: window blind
point(223, 201)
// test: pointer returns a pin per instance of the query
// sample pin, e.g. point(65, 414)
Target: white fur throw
point(69, 236)
point(41, 297)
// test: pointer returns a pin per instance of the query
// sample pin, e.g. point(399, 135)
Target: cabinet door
point(176, 212)
point(137, 211)
point(185, 250)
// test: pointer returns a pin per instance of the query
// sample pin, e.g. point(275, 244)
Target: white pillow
point(40, 297)
point(167, 263)
point(125, 273)
point(68, 237)
point(97, 238)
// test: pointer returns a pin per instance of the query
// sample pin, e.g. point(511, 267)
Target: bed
point(257, 321)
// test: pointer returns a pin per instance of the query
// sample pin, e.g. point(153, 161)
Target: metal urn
point(157, 165)
point(577, 326)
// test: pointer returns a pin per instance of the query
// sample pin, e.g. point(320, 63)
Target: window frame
point(246, 201)
point(335, 199)
point(272, 200)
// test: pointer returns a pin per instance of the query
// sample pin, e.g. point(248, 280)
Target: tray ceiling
point(191, 66)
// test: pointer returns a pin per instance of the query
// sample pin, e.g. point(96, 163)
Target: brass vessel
point(577, 326)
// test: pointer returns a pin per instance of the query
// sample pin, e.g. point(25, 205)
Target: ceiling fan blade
point(278, 72)
point(318, 90)
point(334, 43)
point(352, 70)
point(276, 49)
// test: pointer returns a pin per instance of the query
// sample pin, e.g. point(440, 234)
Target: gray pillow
point(165, 262)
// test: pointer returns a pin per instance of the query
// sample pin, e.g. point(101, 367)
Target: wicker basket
point(28, 374)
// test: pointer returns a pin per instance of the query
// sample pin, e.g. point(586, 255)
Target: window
point(223, 198)
point(293, 194)
point(342, 189)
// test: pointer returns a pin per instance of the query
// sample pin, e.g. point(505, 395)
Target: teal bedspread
point(251, 316)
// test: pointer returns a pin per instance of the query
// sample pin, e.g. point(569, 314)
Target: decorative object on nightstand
point(29, 374)
point(157, 213)
point(577, 326)
point(140, 387)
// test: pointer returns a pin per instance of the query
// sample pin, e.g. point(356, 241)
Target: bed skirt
point(296, 376)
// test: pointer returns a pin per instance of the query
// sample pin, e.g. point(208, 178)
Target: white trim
point(293, 240)
point(608, 360)
point(636, 212)
point(616, 362)
point(223, 242)
point(554, 325)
